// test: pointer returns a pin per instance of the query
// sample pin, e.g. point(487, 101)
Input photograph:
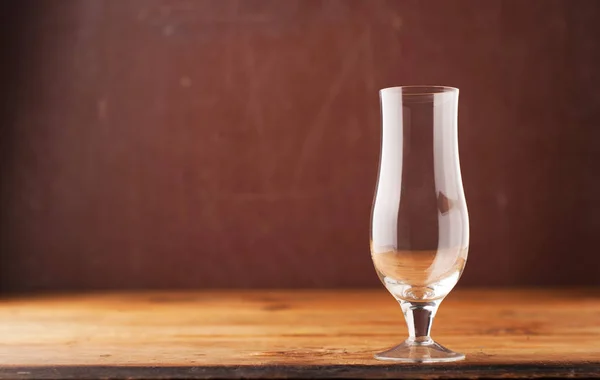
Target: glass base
point(413, 352)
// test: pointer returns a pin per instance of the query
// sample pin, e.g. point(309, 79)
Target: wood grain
point(280, 334)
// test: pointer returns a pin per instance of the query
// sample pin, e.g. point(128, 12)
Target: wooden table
point(286, 334)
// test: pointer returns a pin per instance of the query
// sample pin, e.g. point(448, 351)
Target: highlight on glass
point(419, 223)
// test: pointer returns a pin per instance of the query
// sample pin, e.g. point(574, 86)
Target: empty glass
point(420, 224)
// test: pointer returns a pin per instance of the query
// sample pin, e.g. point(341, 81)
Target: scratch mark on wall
point(317, 127)
point(255, 79)
point(232, 34)
point(369, 69)
point(255, 110)
point(369, 65)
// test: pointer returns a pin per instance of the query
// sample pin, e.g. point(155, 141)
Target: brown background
point(186, 143)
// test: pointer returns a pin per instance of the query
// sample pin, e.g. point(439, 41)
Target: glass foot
point(413, 352)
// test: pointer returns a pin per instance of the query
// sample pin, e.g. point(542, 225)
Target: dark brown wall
point(152, 143)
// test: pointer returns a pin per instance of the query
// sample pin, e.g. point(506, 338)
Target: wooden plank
point(282, 334)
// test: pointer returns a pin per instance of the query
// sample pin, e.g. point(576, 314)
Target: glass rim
point(420, 89)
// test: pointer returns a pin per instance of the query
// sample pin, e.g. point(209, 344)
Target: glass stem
point(419, 318)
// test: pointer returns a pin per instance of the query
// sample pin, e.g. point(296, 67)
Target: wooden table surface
point(286, 334)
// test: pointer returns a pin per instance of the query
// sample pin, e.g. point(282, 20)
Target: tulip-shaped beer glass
point(420, 225)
